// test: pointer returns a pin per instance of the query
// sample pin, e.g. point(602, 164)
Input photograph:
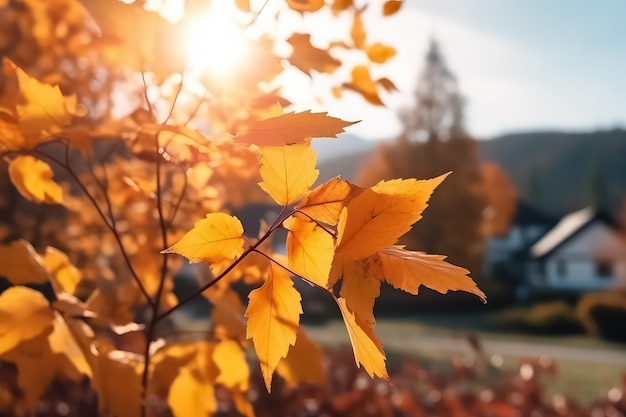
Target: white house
point(527, 226)
point(583, 252)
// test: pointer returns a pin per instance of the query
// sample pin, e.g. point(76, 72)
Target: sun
point(215, 43)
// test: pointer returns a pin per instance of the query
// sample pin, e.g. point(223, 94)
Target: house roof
point(565, 229)
point(527, 215)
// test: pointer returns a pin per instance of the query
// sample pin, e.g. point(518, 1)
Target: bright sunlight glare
point(214, 41)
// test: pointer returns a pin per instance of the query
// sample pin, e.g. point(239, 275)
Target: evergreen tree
point(435, 142)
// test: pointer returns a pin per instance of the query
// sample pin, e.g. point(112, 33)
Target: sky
point(522, 65)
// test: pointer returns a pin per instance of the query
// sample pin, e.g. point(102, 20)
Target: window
point(561, 268)
point(604, 269)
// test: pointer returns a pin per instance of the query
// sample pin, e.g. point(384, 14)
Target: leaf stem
point(277, 223)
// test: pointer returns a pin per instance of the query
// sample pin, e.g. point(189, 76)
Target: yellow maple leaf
point(230, 359)
point(325, 202)
point(305, 5)
point(24, 314)
point(37, 367)
point(380, 53)
point(111, 367)
point(287, 171)
point(191, 396)
point(33, 179)
point(21, 264)
point(227, 315)
point(64, 276)
point(138, 38)
point(10, 135)
point(242, 403)
point(307, 58)
point(363, 84)
point(309, 249)
point(273, 319)
point(407, 270)
point(368, 351)
point(291, 128)
point(360, 288)
point(243, 5)
point(215, 238)
point(377, 217)
point(391, 6)
point(304, 362)
point(46, 110)
point(357, 32)
point(192, 392)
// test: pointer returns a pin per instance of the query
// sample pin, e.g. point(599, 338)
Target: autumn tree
point(435, 141)
point(143, 148)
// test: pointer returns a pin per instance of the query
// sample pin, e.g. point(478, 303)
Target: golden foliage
point(33, 179)
point(134, 177)
point(288, 171)
point(273, 320)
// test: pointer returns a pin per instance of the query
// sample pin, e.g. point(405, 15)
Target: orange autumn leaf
point(357, 32)
point(111, 367)
point(407, 270)
point(227, 315)
point(24, 314)
point(387, 84)
point(391, 6)
point(325, 202)
point(360, 289)
point(21, 264)
point(44, 108)
point(308, 58)
point(378, 216)
point(287, 171)
point(48, 356)
point(63, 275)
point(304, 362)
point(340, 5)
point(380, 53)
point(230, 359)
point(309, 249)
point(33, 179)
point(215, 238)
point(368, 351)
point(305, 5)
point(291, 128)
point(363, 84)
point(273, 319)
point(189, 395)
point(243, 5)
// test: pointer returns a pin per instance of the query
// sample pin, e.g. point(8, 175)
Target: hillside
point(561, 172)
point(556, 171)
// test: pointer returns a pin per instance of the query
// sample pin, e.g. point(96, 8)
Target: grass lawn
point(586, 368)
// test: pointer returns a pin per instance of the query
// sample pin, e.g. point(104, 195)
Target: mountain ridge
point(556, 171)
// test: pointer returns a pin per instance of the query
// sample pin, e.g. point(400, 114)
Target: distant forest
point(558, 172)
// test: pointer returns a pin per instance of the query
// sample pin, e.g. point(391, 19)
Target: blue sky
point(522, 65)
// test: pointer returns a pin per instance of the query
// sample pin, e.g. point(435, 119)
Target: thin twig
point(179, 201)
point(145, 93)
point(95, 204)
point(180, 88)
point(157, 298)
point(254, 19)
point(232, 266)
point(330, 232)
point(195, 109)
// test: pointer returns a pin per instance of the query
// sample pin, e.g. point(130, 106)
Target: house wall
point(573, 265)
point(501, 248)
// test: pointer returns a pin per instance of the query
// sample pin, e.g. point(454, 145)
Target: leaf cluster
point(141, 188)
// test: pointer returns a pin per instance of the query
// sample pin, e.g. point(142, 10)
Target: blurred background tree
point(434, 141)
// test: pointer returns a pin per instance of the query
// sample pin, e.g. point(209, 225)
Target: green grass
point(586, 367)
